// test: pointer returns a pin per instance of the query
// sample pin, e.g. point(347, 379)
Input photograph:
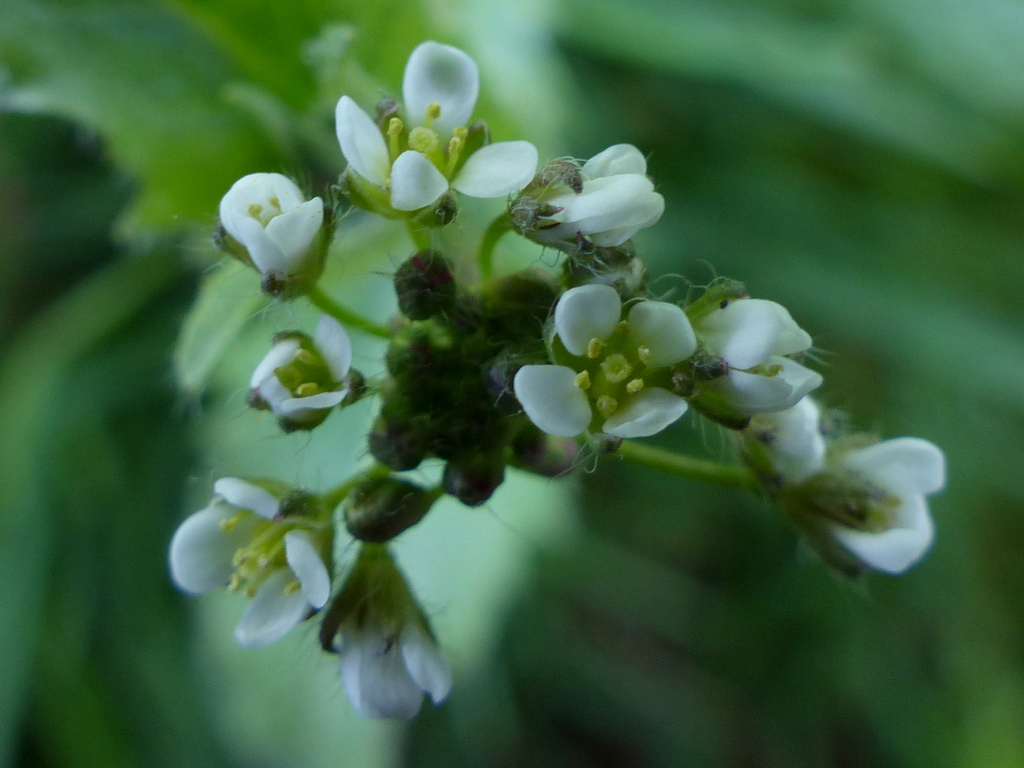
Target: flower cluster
point(487, 374)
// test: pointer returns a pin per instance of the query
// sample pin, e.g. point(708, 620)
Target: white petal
point(375, 677)
point(792, 338)
point(613, 237)
point(905, 465)
point(613, 202)
point(665, 330)
point(275, 393)
point(754, 393)
point(305, 562)
point(645, 414)
point(280, 354)
point(296, 405)
point(585, 313)
point(294, 231)
point(243, 495)
point(201, 551)
point(287, 192)
point(895, 550)
point(272, 613)
point(744, 333)
point(264, 252)
point(617, 159)
point(334, 346)
point(497, 169)
point(425, 664)
point(551, 399)
point(796, 446)
point(361, 142)
point(442, 74)
point(415, 182)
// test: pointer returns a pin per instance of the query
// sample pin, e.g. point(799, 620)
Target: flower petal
point(201, 551)
point(613, 237)
point(425, 664)
point(612, 202)
point(243, 495)
point(585, 313)
point(280, 354)
point(792, 338)
point(665, 330)
point(497, 169)
point(754, 393)
point(551, 399)
point(265, 254)
point(294, 231)
point(334, 346)
point(442, 74)
point(272, 613)
point(361, 142)
point(275, 393)
point(744, 333)
point(617, 159)
point(901, 546)
point(793, 439)
point(375, 677)
point(645, 414)
point(287, 192)
point(415, 182)
point(906, 465)
point(305, 561)
point(296, 405)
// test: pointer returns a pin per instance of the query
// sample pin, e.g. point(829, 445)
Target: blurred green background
point(860, 161)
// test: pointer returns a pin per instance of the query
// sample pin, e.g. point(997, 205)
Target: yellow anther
point(644, 354)
point(307, 357)
point(583, 379)
point(264, 561)
point(292, 587)
point(594, 348)
point(395, 128)
point(307, 390)
point(460, 133)
point(455, 145)
point(606, 405)
point(240, 556)
point(274, 201)
point(433, 112)
point(235, 584)
point(635, 386)
point(231, 523)
point(254, 210)
point(616, 368)
point(623, 327)
point(423, 140)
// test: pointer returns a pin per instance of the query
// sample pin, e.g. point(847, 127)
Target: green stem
point(345, 316)
point(420, 236)
point(337, 494)
point(702, 470)
point(495, 231)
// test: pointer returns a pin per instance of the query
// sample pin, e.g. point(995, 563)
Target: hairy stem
point(347, 317)
point(494, 233)
point(702, 470)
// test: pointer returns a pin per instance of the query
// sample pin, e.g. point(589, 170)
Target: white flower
point(791, 439)
point(301, 380)
point(386, 675)
point(267, 215)
point(609, 366)
point(236, 541)
point(905, 470)
point(753, 336)
point(418, 162)
point(617, 200)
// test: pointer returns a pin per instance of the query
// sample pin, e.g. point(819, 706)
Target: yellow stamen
point(458, 141)
point(594, 348)
point(395, 128)
point(583, 380)
point(307, 390)
point(423, 140)
point(606, 405)
point(635, 386)
point(644, 353)
point(254, 210)
point(240, 556)
point(616, 368)
point(623, 327)
point(433, 112)
point(235, 584)
point(292, 587)
point(307, 357)
point(231, 523)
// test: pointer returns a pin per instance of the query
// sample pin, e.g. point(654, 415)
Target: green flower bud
point(425, 285)
point(398, 443)
point(716, 296)
point(380, 509)
point(473, 478)
point(618, 267)
point(542, 454)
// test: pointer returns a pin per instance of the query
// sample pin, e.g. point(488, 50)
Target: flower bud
point(380, 509)
point(398, 443)
point(618, 267)
point(544, 455)
point(266, 222)
point(425, 285)
point(473, 478)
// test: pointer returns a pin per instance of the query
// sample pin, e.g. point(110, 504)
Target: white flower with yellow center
point(416, 163)
point(754, 336)
point(267, 214)
point(897, 475)
point(617, 200)
point(240, 541)
point(613, 367)
point(301, 379)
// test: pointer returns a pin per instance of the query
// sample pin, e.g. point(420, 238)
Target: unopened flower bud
point(425, 285)
point(542, 454)
point(380, 509)
point(473, 478)
point(397, 443)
